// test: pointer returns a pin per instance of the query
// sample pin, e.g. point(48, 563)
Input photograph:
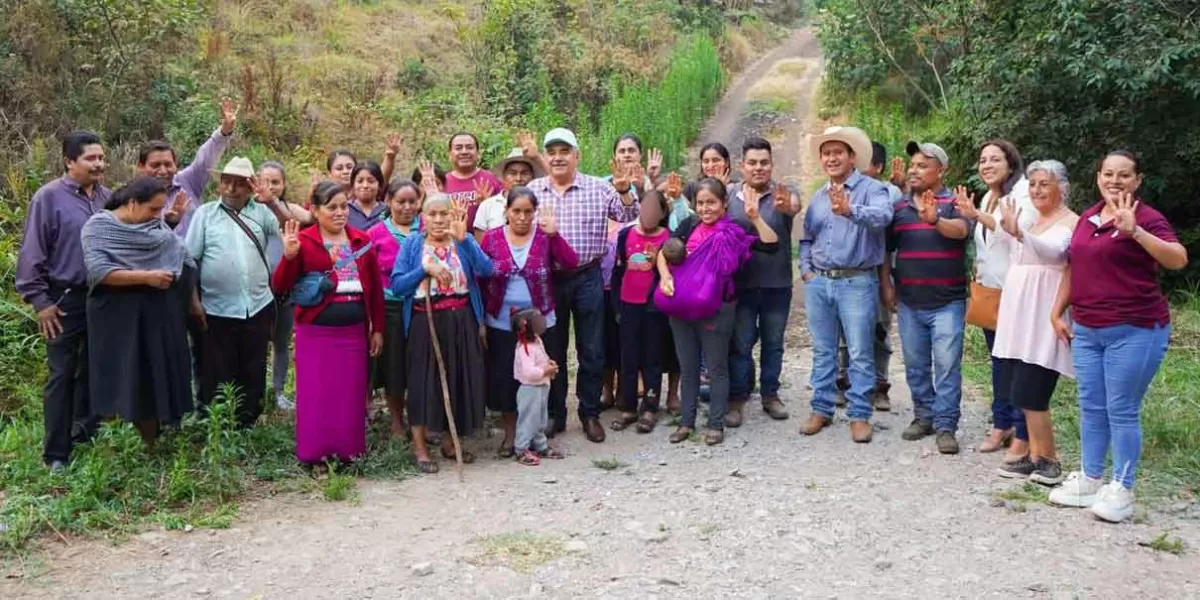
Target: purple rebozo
point(705, 279)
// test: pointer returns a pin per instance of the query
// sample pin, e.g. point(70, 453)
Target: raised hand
point(965, 203)
point(262, 193)
point(620, 177)
point(750, 197)
point(483, 190)
point(838, 200)
point(429, 180)
point(723, 177)
point(291, 239)
point(654, 164)
point(898, 172)
point(1010, 215)
point(674, 186)
point(636, 175)
point(927, 207)
point(392, 144)
point(458, 220)
point(547, 222)
point(179, 206)
point(783, 199)
point(1124, 213)
point(229, 114)
point(528, 146)
point(159, 279)
point(315, 178)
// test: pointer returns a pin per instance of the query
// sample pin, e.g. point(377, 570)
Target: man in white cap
point(843, 246)
point(582, 205)
point(228, 240)
point(929, 290)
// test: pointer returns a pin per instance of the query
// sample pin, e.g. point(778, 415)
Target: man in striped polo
point(928, 287)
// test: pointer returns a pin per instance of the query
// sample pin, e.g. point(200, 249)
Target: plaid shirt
point(583, 212)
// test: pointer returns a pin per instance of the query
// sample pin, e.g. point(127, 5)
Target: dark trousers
point(579, 298)
point(235, 351)
point(643, 331)
point(66, 415)
point(711, 337)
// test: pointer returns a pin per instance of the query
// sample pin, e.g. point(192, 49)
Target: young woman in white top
point(1001, 168)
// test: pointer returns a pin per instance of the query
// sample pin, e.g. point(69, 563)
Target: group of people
point(455, 292)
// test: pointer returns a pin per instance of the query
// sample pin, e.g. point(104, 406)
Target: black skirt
point(501, 353)
point(138, 356)
point(391, 368)
point(462, 351)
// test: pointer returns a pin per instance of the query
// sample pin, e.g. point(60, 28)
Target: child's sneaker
point(528, 458)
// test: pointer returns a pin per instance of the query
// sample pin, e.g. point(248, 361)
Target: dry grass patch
point(521, 551)
point(796, 67)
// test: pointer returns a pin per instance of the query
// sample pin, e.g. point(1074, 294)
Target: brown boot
point(814, 424)
point(880, 396)
point(774, 407)
point(733, 418)
point(593, 430)
point(860, 431)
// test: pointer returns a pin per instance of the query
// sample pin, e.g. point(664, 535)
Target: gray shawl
point(110, 244)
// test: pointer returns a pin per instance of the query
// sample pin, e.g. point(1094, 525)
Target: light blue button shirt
point(855, 242)
point(234, 281)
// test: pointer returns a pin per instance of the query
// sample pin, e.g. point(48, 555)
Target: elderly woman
point(1000, 167)
point(1031, 354)
point(436, 273)
point(523, 253)
point(719, 246)
point(1122, 325)
point(340, 325)
point(404, 206)
point(141, 281)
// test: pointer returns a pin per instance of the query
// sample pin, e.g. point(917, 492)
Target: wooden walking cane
point(437, 354)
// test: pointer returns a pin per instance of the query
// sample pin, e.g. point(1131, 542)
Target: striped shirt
point(582, 213)
point(931, 269)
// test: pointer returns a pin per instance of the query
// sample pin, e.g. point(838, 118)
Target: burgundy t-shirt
point(464, 189)
point(1114, 281)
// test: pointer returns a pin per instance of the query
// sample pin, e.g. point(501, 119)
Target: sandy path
point(768, 514)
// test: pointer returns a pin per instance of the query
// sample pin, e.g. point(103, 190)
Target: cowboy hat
point(517, 155)
point(238, 166)
point(853, 137)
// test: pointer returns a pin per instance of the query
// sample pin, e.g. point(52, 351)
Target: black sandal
point(427, 466)
point(646, 422)
point(468, 456)
point(624, 422)
point(551, 453)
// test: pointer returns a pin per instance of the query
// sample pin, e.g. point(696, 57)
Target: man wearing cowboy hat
point(515, 170)
point(843, 246)
point(227, 239)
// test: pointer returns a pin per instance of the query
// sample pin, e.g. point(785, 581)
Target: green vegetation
point(1068, 80)
point(1164, 543)
point(1028, 492)
point(522, 551)
point(608, 464)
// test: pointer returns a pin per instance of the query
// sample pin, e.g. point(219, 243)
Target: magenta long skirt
point(331, 392)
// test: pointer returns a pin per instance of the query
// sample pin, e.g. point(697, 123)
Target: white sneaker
point(282, 402)
point(1114, 503)
point(1078, 491)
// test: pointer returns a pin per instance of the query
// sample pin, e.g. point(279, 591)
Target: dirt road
point(767, 515)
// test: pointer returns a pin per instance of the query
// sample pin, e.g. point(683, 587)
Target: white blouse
point(993, 252)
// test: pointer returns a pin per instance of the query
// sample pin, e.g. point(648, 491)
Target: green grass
point(608, 464)
point(771, 108)
point(1028, 492)
point(1170, 466)
point(1164, 543)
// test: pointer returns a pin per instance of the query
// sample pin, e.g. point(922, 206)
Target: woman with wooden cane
point(436, 272)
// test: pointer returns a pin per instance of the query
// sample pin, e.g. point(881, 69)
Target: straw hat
point(852, 137)
point(238, 166)
point(517, 155)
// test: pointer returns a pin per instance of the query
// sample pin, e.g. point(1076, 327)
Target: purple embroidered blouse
point(545, 252)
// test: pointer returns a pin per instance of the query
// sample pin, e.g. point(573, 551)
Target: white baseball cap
point(560, 135)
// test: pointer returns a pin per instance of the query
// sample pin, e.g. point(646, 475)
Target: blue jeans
point(1004, 414)
point(834, 307)
point(579, 298)
point(761, 313)
point(1114, 367)
point(933, 348)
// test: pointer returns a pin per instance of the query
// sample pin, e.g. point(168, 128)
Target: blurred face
point(516, 174)
point(160, 165)
point(341, 169)
point(874, 171)
point(1044, 192)
point(235, 189)
point(562, 160)
point(993, 167)
point(436, 217)
point(709, 206)
point(756, 168)
point(332, 215)
point(924, 173)
point(836, 159)
point(403, 205)
point(88, 169)
point(366, 187)
point(1117, 176)
point(520, 216)
point(627, 153)
point(464, 153)
point(650, 212)
point(144, 213)
point(272, 179)
point(713, 164)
